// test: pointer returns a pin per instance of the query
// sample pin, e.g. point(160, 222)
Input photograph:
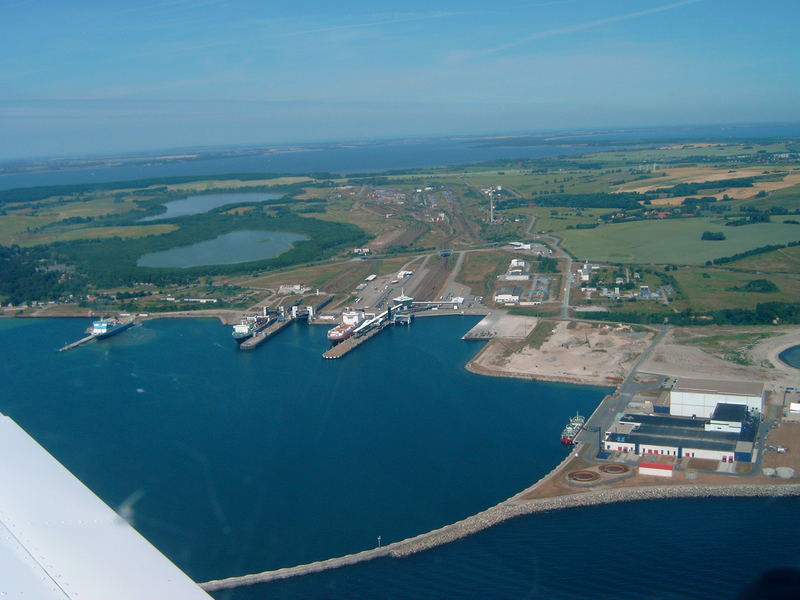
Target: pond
point(791, 356)
point(227, 249)
point(199, 204)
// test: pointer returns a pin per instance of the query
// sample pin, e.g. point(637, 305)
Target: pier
point(88, 338)
point(262, 336)
point(351, 343)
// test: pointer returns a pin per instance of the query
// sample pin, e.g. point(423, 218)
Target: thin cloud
point(573, 29)
point(393, 21)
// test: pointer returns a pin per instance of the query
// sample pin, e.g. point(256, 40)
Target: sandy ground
point(565, 356)
point(501, 325)
point(678, 360)
point(736, 193)
point(694, 175)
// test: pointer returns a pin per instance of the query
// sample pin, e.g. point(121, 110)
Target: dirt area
point(557, 485)
point(786, 435)
point(680, 360)
point(502, 325)
point(438, 270)
point(695, 175)
point(586, 353)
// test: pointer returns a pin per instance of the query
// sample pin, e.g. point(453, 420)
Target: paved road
point(605, 414)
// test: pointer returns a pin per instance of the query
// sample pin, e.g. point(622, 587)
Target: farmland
point(672, 241)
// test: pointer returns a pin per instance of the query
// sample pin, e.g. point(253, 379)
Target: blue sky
point(107, 76)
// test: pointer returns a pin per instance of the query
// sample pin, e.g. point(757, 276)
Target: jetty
point(88, 338)
point(351, 343)
point(262, 336)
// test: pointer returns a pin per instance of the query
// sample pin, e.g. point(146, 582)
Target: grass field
point(95, 233)
point(785, 260)
point(480, 270)
point(675, 241)
point(712, 292)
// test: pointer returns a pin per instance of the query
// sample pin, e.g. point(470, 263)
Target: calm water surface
point(200, 204)
point(247, 461)
point(226, 249)
point(791, 356)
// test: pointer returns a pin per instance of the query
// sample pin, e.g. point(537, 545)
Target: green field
point(713, 290)
point(674, 241)
point(785, 260)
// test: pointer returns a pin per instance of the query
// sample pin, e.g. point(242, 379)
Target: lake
point(226, 249)
point(199, 204)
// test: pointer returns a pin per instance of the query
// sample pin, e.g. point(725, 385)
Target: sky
point(102, 76)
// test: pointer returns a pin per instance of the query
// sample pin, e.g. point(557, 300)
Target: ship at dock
point(251, 325)
point(351, 319)
point(572, 430)
point(105, 328)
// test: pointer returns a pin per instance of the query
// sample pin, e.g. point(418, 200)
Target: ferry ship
point(350, 320)
point(107, 327)
point(251, 325)
point(572, 430)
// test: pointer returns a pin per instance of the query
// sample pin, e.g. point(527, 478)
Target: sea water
point(232, 462)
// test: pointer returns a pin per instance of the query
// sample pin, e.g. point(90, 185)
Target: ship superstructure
point(251, 325)
point(107, 327)
point(350, 320)
point(572, 429)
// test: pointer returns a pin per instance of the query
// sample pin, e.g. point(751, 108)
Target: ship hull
point(114, 330)
point(338, 339)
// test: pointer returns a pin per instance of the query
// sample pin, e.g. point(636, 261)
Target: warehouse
point(679, 437)
point(699, 397)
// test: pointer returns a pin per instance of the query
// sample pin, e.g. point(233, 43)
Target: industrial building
point(715, 438)
point(700, 397)
point(508, 294)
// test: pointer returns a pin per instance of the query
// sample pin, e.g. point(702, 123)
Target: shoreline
point(505, 511)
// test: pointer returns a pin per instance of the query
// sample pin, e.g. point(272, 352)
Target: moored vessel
point(251, 325)
point(350, 320)
point(573, 428)
point(107, 327)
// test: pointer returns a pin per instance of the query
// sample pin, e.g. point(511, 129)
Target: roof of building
point(713, 386)
point(652, 465)
point(513, 290)
point(670, 431)
point(731, 413)
point(58, 540)
point(692, 444)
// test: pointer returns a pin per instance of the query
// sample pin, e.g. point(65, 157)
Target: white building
point(508, 294)
point(699, 397)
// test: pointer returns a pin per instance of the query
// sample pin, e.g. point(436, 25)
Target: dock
point(88, 338)
point(351, 343)
point(262, 336)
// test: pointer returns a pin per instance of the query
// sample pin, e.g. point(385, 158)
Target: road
point(605, 414)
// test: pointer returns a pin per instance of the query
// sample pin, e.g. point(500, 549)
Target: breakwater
point(504, 511)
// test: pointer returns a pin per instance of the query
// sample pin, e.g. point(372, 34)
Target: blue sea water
point(343, 159)
point(393, 154)
point(246, 461)
point(238, 462)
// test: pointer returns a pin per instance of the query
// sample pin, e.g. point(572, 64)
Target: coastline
point(505, 511)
